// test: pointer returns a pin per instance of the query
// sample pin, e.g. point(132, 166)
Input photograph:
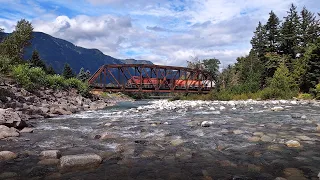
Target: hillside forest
point(284, 61)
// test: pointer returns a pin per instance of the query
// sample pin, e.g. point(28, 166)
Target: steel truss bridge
point(150, 78)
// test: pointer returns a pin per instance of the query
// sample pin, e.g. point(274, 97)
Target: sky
point(167, 32)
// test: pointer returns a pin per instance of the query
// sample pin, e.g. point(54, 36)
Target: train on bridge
point(151, 78)
point(136, 81)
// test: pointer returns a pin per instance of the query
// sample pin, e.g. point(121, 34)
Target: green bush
point(30, 78)
point(272, 93)
point(56, 82)
point(318, 91)
point(305, 96)
point(5, 64)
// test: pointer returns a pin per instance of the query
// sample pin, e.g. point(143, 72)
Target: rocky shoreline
point(18, 106)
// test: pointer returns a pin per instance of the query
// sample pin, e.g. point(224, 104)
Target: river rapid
point(178, 140)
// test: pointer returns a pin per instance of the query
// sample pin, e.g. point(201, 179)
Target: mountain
point(57, 52)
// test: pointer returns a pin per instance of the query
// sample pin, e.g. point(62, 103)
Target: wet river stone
point(80, 161)
point(7, 155)
point(8, 132)
point(293, 143)
point(50, 154)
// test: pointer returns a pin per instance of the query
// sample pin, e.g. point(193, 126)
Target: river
point(165, 140)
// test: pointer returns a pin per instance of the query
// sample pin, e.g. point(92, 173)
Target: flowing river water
point(165, 140)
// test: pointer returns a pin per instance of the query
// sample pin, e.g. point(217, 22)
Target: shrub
point(56, 81)
point(30, 78)
point(318, 91)
point(5, 64)
point(305, 96)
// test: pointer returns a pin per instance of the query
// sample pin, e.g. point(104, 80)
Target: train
point(136, 81)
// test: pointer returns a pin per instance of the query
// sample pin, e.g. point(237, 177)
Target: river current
point(165, 140)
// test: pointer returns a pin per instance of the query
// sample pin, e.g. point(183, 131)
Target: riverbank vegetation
point(34, 74)
point(284, 62)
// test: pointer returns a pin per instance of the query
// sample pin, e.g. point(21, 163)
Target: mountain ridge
point(56, 52)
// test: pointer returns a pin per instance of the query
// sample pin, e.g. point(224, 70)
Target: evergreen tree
point(212, 66)
point(67, 71)
point(282, 80)
point(313, 66)
point(308, 28)
point(36, 61)
point(50, 70)
point(273, 32)
point(290, 32)
point(259, 40)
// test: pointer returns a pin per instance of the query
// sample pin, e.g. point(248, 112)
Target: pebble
point(254, 139)
point(206, 123)
point(50, 154)
point(176, 142)
point(277, 108)
point(7, 155)
point(265, 138)
point(293, 143)
point(238, 132)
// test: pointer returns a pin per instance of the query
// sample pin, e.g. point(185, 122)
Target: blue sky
point(164, 31)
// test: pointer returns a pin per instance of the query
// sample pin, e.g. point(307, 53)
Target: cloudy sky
point(164, 31)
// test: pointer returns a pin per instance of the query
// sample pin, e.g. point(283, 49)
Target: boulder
point(293, 143)
point(277, 108)
point(27, 130)
point(59, 111)
point(80, 161)
point(206, 123)
point(11, 118)
point(7, 155)
point(8, 132)
point(50, 154)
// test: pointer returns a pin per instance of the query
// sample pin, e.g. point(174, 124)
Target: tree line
point(284, 60)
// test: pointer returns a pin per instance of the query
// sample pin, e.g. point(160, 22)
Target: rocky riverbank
point(18, 106)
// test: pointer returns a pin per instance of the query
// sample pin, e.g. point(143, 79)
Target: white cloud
point(166, 32)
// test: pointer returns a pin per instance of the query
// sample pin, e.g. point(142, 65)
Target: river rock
point(296, 115)
point(50, 154)
point(294, 173)
point(277, 108)
point(238, 132)
point(27, 130)
point(265, 138)
point(280, 178)
point(49, 162)
point(254, 139)
point(318, 127)
point(176, 142)
point(8, 132)
point(293, 143)
point(206, 123)
point(80, 161)
point(59, 111)
point(7, 155)
point(11, 118)
point(8, 175)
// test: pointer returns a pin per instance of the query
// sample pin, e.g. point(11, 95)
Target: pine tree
point(290, 33)
point(313, 66)
point(273, 33)
point(36, 61)
point(308, 28)
point(67, 71)
point(259, 40)
point(50, 70)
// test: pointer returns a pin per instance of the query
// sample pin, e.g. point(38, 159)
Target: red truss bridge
point(151, 78)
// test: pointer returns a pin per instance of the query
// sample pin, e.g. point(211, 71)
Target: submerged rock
point(80, 161)
point(277, 108)
point(49, 162)
point(8, 132)
point(8, 175)
point(176, 142)
point(294, 173)
point(7, 155)
point(207, 123)
point(50, 154)
point(265, 138)
point(238, 132)
point(293, 143)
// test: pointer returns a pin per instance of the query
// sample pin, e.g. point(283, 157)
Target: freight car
point(136, 81)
